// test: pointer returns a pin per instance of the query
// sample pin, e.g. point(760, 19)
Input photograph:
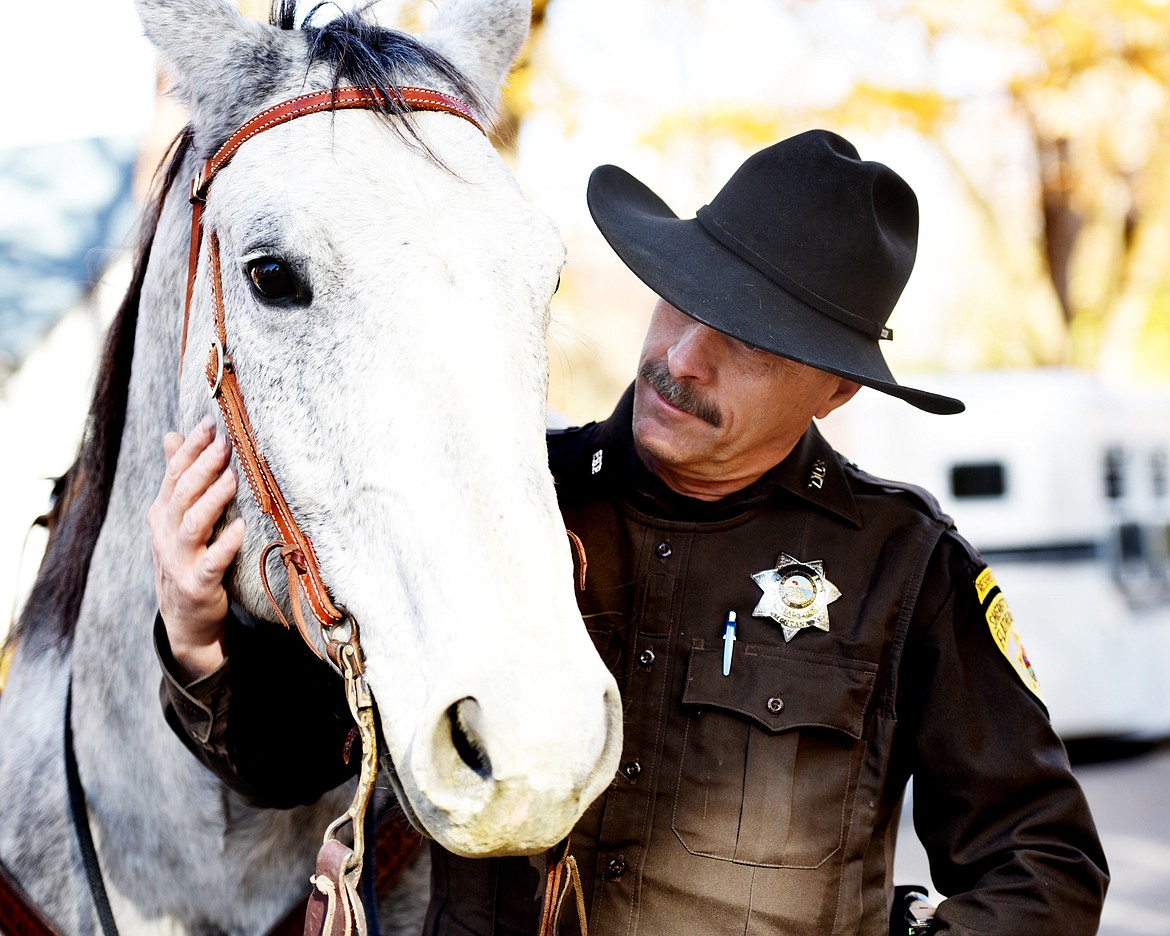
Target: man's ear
point(841, 394)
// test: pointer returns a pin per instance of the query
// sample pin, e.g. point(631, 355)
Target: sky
point(102, 86)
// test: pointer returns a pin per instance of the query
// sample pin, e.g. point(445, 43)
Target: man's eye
point(273, 281)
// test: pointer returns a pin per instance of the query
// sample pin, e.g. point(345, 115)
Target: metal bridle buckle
point(344, 632)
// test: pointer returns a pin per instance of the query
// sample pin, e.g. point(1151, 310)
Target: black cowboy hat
point(803, 253)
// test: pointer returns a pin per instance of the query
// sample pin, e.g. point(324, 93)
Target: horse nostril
point(464, 739)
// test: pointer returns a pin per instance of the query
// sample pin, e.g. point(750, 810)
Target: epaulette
point(920, 498)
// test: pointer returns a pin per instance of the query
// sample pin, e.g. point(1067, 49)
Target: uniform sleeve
point(1005, 825)
point(271, 722)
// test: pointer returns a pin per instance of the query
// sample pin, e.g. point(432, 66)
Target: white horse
point(386, 291)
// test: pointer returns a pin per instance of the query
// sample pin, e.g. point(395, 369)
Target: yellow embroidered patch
point(984, 583)
point(7, 652)
point(1003, 630)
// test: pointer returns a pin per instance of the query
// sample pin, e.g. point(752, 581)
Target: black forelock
point(361, 53)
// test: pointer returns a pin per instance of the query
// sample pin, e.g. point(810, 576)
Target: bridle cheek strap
point(296, 551)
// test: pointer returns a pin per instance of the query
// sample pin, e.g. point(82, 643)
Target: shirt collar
point(812, 471)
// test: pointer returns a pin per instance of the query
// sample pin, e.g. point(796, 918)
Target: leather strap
point(298, 555)
point(560, 877)
point(79, 816)
point(411, 99)
point(581, 557)
point(335, 907)
point(296, 551)
point(18, 917)
point(408, 98)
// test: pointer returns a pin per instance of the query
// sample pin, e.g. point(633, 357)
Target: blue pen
point(728, 642)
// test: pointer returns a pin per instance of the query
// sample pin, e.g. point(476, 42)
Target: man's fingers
point(171, 443)
point(220, 553)
point(185, 454)
point(200, 518)
point(200, 477)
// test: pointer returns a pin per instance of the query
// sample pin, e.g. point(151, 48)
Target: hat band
point(711, 225)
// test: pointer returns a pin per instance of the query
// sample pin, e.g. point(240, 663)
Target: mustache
point(682, 395)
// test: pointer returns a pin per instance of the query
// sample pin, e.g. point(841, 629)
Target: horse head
point(386, 291)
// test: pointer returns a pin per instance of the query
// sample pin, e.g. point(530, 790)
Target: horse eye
point(273, 281)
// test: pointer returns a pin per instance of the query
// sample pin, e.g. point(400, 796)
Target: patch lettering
point(1003, 630)
point(984, 583)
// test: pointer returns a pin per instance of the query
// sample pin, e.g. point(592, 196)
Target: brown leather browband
point(415, 99)
point(296, 551)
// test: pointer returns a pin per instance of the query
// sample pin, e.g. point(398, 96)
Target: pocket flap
point(780, 689)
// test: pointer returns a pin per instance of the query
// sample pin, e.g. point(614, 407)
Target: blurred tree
point(1092, 86)
point(1084, 83)
point(1053, 117)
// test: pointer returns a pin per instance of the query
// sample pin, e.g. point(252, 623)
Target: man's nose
point(693, 354)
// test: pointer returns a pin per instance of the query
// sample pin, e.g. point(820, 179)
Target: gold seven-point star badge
point(796, 595)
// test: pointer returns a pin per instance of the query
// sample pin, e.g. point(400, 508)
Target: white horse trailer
point(1063, 483)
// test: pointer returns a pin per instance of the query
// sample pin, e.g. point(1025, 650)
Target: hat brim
point(697, 275)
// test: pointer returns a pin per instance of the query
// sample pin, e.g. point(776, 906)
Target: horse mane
point(81, 496)
point(357, 52)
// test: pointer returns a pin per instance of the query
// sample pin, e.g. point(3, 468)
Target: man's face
point(712, 414)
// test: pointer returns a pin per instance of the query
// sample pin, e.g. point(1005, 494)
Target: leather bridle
point(295, 548)
point(335, 907)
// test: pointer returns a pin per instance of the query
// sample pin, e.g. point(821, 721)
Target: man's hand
point(188, 566)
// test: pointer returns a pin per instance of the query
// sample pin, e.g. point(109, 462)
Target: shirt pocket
point(770, 754)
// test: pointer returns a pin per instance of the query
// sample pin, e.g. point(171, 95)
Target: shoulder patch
point(1003, 629)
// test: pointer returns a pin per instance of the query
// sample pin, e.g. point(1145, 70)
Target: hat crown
point(803, 253)
point(821, 223)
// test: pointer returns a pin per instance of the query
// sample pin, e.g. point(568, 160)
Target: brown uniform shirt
point(766, 801)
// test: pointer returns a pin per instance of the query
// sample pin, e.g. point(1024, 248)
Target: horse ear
point(482, 39)
point(217, 60)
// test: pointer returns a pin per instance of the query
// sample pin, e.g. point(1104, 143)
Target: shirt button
point(775, 705)
point(664, 550)
point(632, 770)
point(646, 658)
point(616, 868)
